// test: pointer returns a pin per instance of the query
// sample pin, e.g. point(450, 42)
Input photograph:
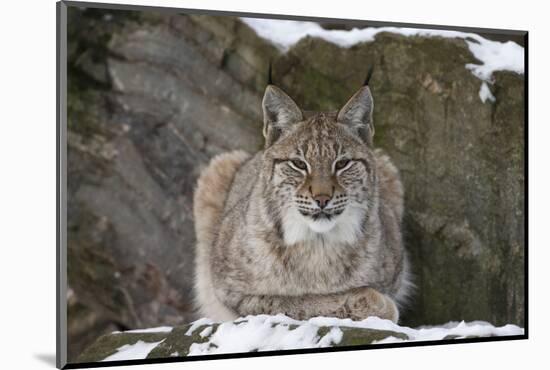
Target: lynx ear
point(357, 114)
point(280, 113)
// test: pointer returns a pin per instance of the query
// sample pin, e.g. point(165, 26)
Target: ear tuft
point(280, 113)
point(357, 114)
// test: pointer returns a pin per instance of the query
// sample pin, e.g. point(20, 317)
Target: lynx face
point(319, 171)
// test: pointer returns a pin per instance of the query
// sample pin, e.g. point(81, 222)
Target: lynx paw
point(365, 302)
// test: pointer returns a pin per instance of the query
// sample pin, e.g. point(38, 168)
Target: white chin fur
point(345, 228)
point(321, 226)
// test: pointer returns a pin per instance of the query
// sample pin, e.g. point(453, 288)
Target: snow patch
point(485, 93)
point(493, 55)
point(137, 351)
point(333, 336)
point(206, 332)
point(197, 324)
point(264, 333)
point(160, 329)
point(390, 339)
point(280, 332)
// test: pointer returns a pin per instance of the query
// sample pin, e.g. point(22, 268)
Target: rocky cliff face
point(153, 96)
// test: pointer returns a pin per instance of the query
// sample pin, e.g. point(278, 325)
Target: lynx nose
point(322, 200)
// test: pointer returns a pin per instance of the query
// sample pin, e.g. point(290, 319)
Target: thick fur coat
point(309, 226)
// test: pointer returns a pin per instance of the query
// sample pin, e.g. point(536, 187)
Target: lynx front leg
point(357, 304)
point(365, 302)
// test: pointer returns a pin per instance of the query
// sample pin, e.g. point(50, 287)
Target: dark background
point(153, 96)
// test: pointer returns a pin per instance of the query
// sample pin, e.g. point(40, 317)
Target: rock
point(153, 96)
point(272, 333)
point(179, 340)
point(108, 344)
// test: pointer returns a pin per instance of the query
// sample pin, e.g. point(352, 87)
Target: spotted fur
point(309, 226)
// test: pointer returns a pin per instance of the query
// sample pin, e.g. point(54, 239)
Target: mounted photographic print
point(239, 184)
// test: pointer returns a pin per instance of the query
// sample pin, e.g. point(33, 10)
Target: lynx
point(309, 226)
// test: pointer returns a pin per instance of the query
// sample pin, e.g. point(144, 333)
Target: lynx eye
point(341, 164)
point(299, 164)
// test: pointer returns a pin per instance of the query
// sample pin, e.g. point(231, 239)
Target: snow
point(160, 329)
point(264, 333)
point(460, 329)
point(280, 332)
point(493, 55)
point(198, 323)
point(485, 94)
point(137, 351)
point(268, 333)
point(206, 332)
point(333, 336)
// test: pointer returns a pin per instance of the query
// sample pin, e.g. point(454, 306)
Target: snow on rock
point(264, 333)
point(137, 351)
point(493, 55)
point(485, 94)
point(160, 329)
point(271, 333)
point(267, 333)
point(198, 323)
point(206, 332)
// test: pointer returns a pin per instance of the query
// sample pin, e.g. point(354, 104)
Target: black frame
point(61, 173)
